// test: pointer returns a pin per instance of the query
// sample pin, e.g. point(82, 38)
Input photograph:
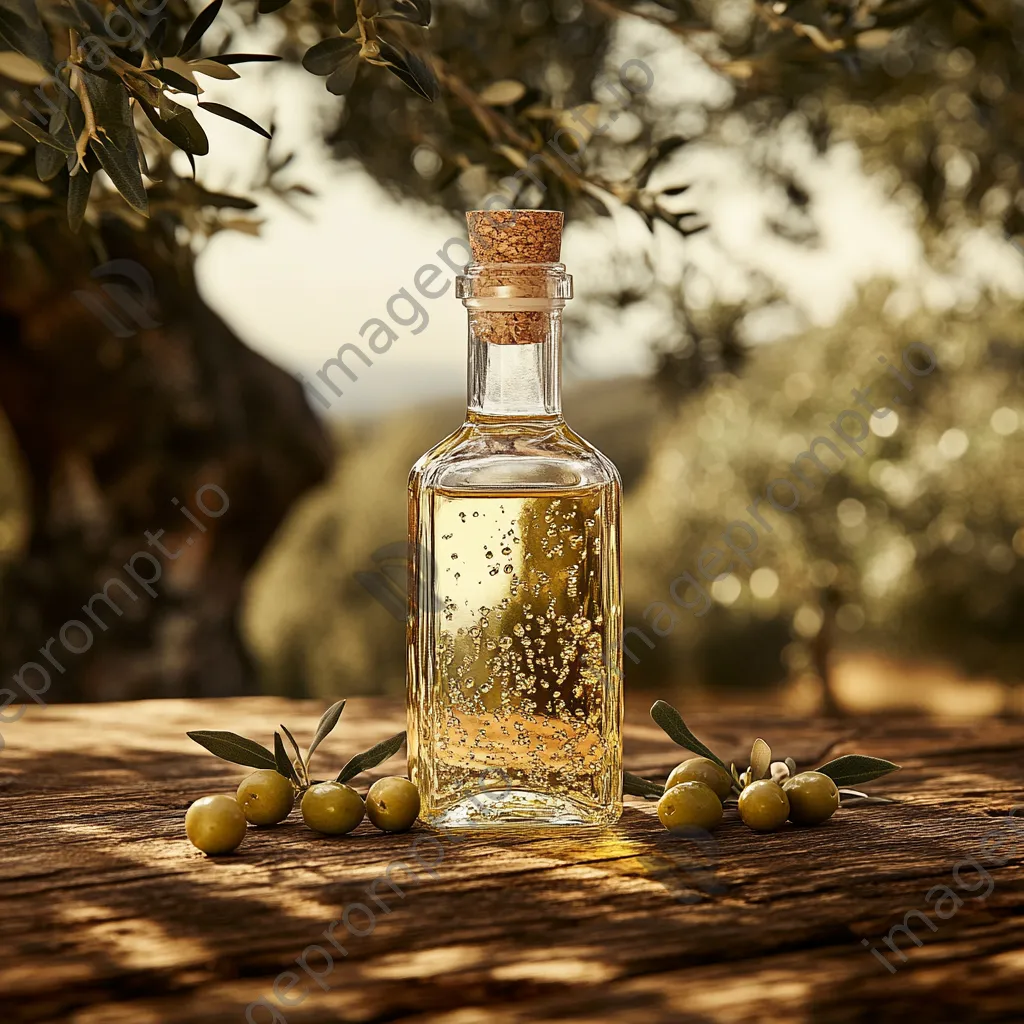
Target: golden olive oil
point(520, 700)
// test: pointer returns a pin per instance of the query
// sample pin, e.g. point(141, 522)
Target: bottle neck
point(516, 381)
point(515, 339)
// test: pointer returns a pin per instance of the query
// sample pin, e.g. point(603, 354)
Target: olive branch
point(848, 770)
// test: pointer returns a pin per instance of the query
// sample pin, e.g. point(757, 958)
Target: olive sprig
point(767, 791)
point(845, 771)
point(237, 749)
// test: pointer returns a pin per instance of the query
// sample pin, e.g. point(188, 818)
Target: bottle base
point(520, 808)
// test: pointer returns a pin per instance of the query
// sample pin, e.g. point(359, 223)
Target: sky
point(308, 283)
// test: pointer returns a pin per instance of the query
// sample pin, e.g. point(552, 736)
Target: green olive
point(393, 804)
point(813, 798)
point(266, 797)
point(763, 805)
point(332, 808)
point(690, 805)
point(215, 824)
point(702, 769)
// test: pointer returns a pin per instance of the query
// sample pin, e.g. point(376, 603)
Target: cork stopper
point(515, 236)
point(529, 241)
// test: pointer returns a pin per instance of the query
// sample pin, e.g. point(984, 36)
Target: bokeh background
point(787, 193)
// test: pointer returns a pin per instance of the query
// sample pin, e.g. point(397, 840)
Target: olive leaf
point(326, 56)
point(328, 720)
point(343, 77)
point(78, 199)
point(416, 12)
point(502, 93)
point(850, 769)
point(291, 740)
point(634, 785)
point(760, 760)
point(281, 761)
point(269, 6)
point(344, 14)
point(144, 165)
point(791, 765)
point(230, 114)
point(22, 29)
point(223, 201)
point(41, 136)
point(117, 148)
point(180, 127)
point(155, 42)
point(174, 80)
point(672, 723)
point(25, 185)
point(214, 69)
point(109, 104)
point(372, 757)
point(198, 28)
point(410, 69)
point(20, 68)
point(49, 161)
point(198, 143)
point(231, 747)
point(242, 58)
point(123, 169)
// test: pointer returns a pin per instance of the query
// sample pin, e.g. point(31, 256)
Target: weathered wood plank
point(110, 916)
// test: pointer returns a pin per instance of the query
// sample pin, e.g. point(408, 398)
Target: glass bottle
point(515, 612)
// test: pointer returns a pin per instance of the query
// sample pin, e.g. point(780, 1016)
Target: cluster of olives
point(217, 824)
point(697, 789)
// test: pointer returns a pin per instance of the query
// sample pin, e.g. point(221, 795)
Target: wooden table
point(110, 916)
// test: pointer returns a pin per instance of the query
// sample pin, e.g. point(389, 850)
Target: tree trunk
point(160, 455)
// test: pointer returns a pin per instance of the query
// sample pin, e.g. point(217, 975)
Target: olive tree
point(124, 393)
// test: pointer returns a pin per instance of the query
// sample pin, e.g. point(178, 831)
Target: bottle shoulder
point(535, 455)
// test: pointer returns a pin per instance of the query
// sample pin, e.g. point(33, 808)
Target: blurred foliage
point(525, 98)
point(97, 87)
point(931, 89)
point(919, 541)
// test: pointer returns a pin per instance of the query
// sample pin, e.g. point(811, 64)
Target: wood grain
point(111, 917)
